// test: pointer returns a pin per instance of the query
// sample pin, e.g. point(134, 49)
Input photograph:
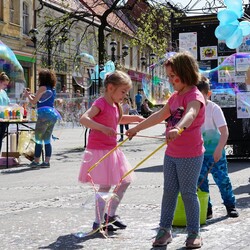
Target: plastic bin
point(180, 215)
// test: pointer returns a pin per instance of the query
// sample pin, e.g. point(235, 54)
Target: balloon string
point(106, 155)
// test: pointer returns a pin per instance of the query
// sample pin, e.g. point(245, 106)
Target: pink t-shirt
point(108, 116)
point(190, 143)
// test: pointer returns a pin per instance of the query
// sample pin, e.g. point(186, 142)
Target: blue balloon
point(222, 32)
point(226, 16)
point(109, 66)
point(245, 27)
point(103, 74)
point(233, 4)
point(95, 73)
point(248, 42)
point(235, 40)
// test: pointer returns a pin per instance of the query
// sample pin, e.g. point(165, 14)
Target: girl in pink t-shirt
point(185, 111)
point(102, 118)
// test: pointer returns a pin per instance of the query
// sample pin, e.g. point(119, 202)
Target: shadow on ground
point(70, 241)
point(152, 169)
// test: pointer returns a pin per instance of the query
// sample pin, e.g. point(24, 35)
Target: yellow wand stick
point(106, 155)
point(131, 170)
point(163, 144)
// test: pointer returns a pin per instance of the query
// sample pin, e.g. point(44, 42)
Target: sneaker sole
point(169, 240)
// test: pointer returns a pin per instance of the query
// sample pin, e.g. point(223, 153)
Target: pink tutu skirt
point(109, 171)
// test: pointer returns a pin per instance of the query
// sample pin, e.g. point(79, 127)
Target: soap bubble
point(87, 156)
point(83, 68)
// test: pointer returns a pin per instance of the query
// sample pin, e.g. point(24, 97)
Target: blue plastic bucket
point(180, 215)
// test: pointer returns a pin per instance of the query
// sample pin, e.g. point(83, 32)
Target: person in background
point(138, 101)
point(145, 109)
point(64, 89)
point(125, 108)
point(4, 101)
point(46, 116)
point(78, 93)
point(184, 153)
point(102, 118)
point(215, 134)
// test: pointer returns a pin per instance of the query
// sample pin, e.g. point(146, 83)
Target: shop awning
point(25, 57)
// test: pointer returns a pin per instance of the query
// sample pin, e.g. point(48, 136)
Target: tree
point(105, 15)
point(154, 27)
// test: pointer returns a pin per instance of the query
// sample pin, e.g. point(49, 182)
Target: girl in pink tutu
point(103, 118)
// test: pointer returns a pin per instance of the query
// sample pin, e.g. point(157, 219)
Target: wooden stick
point(106, 155)
point(163, 144)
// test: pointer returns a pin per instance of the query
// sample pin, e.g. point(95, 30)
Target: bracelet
point(176, 127)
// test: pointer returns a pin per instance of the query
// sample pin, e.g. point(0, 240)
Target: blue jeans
point(219, 172)
point(181, 175)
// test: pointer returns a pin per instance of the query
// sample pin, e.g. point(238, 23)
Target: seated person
point(145, 109)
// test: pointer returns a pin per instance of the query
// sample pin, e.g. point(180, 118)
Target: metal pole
point(113, 54)
point(49, 48)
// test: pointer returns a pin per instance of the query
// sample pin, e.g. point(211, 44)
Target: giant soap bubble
point(10, 65)
point(83, 68)
point(155, 85)
point(229, 79)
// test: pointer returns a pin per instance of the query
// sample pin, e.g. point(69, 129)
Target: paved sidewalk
point(41, 209)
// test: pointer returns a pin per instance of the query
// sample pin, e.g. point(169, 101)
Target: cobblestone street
point(42, 209)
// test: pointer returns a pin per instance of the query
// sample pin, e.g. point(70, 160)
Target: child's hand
point(172, 134)
point(26, 92)
point(217, 154)
point(130, 133)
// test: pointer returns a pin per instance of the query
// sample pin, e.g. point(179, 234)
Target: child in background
point(185, 110)
point(125, 109)
point(46, 116)
point(102, 118)
point(4, 101)
point(215, 135)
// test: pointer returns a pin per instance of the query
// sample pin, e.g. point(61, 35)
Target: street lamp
point(49, 44)
point(125, 49)
point(33, 37)
point(152, 57)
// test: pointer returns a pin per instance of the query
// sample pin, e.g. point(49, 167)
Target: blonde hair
point(117, 79)
point(185, 67)
point(4, 77)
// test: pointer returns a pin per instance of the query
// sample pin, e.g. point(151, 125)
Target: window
point(12, 11)
point(25, 19)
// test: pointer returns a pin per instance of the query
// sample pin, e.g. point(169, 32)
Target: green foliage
point(154, 29)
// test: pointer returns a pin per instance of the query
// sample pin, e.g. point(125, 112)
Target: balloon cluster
point(10, 65)
point(230, 29)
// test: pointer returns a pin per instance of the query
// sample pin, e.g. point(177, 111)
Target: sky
point(198, 4)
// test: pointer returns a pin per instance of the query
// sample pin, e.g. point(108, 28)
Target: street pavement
point(42, 209)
